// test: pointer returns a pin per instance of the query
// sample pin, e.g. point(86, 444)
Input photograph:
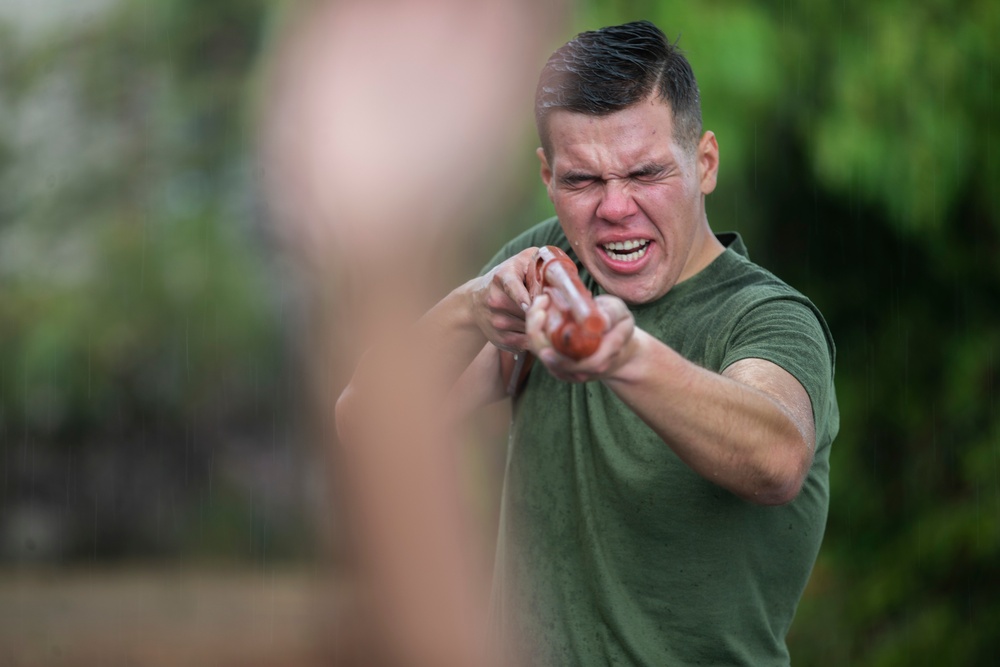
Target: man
point(665, 498)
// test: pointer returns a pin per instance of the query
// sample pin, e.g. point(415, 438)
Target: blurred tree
point(139, 323)
point(896, 215)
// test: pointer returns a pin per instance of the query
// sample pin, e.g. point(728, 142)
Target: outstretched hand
point(615, 351)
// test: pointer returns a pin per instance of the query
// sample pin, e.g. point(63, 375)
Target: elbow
point(781, 483)
point(777, 492)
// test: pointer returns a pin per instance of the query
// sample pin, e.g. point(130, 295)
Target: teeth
point(626, 245)
point(613, 250)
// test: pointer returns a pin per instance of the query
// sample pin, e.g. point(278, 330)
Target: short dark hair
point(603, 71)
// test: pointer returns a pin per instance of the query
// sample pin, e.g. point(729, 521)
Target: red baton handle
point(574, 325)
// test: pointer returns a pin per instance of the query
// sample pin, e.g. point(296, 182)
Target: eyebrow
point(648, 169)
point(576, 176)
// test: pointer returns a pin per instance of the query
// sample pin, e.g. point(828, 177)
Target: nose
point(616, 203)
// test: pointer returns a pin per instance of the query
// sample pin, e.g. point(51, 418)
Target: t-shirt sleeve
point(791, 333)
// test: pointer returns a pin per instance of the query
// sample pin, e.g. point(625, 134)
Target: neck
point(703, 252)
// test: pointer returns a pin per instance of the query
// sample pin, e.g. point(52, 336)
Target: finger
point(515, 290)
point(512, 343)
point(614, 309)
point(617, 337)
point(535, 324)
point(597, 364)
point(499, 304)
point(555, 363)
point(508, 323)
point(539, 305)
point(521, 265)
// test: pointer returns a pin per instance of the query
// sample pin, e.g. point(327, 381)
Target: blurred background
point(162, 499)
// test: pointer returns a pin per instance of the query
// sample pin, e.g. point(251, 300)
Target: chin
point(631, 295)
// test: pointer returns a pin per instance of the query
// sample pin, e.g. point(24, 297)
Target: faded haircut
point(603, 71)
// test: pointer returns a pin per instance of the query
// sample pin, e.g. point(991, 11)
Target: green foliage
point(164, 321)
point(903, 107)
point(135, 283)
point(137, 305)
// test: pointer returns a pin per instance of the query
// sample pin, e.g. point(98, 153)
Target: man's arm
point(749, 429)
point(480, 384)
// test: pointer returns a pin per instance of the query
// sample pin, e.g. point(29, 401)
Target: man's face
point(630, 200)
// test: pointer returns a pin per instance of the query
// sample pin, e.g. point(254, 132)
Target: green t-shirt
point(611, 550)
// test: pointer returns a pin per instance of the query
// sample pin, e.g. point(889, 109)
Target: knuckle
point(497, 300)
point(497, 322)
point(509, 342)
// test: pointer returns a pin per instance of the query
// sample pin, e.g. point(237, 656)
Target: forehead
point(641, 132)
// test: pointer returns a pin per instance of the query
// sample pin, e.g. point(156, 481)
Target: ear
point(546, 170)
point(708, 162)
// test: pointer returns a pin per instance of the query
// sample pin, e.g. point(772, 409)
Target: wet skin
point(623, 179)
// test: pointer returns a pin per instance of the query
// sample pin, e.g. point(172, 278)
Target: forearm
point(730, 432)
point(449, 335)
point(479, 385)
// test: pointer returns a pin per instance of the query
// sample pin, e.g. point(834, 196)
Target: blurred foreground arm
point(385, 126)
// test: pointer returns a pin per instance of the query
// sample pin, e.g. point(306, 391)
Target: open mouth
point(626, 251)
